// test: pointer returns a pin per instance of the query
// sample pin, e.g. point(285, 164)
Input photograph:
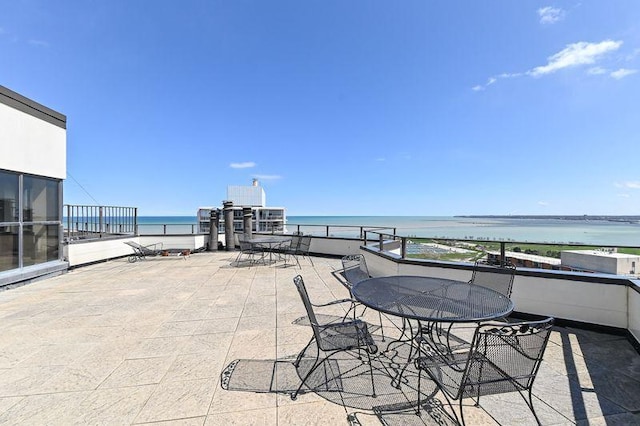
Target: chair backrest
point(295, 243)
point(355, 269)
point(498, 278)
point(304, 243)
point(302, 290)
point(506, 354)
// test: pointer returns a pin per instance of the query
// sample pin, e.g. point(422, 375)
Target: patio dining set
point(272, 249)
point(430, 336)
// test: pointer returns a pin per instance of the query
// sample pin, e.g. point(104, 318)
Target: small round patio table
point(269, 243)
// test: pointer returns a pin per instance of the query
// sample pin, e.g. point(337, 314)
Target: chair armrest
point(333, 302)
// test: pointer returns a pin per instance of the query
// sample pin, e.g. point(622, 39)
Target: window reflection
point(40, 199)
point(40, 244)
point(8, 247)
point(8, 197)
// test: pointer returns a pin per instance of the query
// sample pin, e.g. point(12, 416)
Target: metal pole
point(403, 250)
point(502, 254)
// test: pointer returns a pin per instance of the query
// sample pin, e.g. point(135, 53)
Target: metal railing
point(82, 222)
point(338, 231)
point(541, 255)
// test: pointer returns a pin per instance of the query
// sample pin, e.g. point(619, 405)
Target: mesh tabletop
point(269, 239)
point(431, 299)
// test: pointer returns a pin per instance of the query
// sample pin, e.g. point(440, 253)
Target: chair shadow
point(345, 380)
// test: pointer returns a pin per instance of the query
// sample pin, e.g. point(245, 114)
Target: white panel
point(604, 304)
point(31, 145)
point(79, 254)
point(634, 313)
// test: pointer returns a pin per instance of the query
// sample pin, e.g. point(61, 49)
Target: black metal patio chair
point(355, 269)
point(495, 277)
point(333, 338)
point(304, 244)
point(248, 251)
point(504, 357)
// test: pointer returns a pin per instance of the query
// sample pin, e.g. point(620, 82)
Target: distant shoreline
point(624, 219)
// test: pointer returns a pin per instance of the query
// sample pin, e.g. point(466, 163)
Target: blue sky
point(339, 107)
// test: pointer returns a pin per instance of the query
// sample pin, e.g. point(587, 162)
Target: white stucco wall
point(634, 312)
point(31, 145)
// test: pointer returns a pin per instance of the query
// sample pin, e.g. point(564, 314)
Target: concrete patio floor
point(145, 343)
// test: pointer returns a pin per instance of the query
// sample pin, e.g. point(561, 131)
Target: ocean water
point(593, 232)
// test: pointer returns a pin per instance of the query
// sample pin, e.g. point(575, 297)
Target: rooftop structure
point(31, 174)
point(248, 196)
point(265, 219)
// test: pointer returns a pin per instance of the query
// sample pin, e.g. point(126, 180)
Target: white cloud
point(245, 165)
point(543, 203)
point(624, 195)
point(477, 88)
point(597, 71)
point(267, 177)
point(622, 73)
point(628, 184)
point(581, 53)
point(550, 15)
point(39, 43)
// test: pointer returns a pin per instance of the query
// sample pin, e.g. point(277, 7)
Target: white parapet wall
point(588, 298)
point(82, 253)
point(634, 309)
point(602, 303)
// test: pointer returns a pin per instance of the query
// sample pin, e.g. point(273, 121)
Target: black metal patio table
point(269, 243)
point(429, 300)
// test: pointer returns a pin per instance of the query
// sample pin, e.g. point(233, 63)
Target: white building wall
point(31, 145)
point(609, 263)
point(253, 196)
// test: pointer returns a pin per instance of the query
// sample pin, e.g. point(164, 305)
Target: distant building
point(525, 260)
point(32, 169)
point(249, 196)
point(265, 219)
point(607, 261)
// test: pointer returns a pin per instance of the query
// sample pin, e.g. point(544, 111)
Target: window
point(8, 197)
point(9, 248)
point(40, 199)
point(30, 220)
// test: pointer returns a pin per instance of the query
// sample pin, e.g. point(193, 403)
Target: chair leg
point(296, 363)
point(316, 364)
point(530, 404)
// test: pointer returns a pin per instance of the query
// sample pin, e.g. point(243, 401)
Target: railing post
point(68, 222)
point(502, 254)
point(403, 249)
point(135, 221)
point(164, 229)
point(327, 233)
point(380, 246)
